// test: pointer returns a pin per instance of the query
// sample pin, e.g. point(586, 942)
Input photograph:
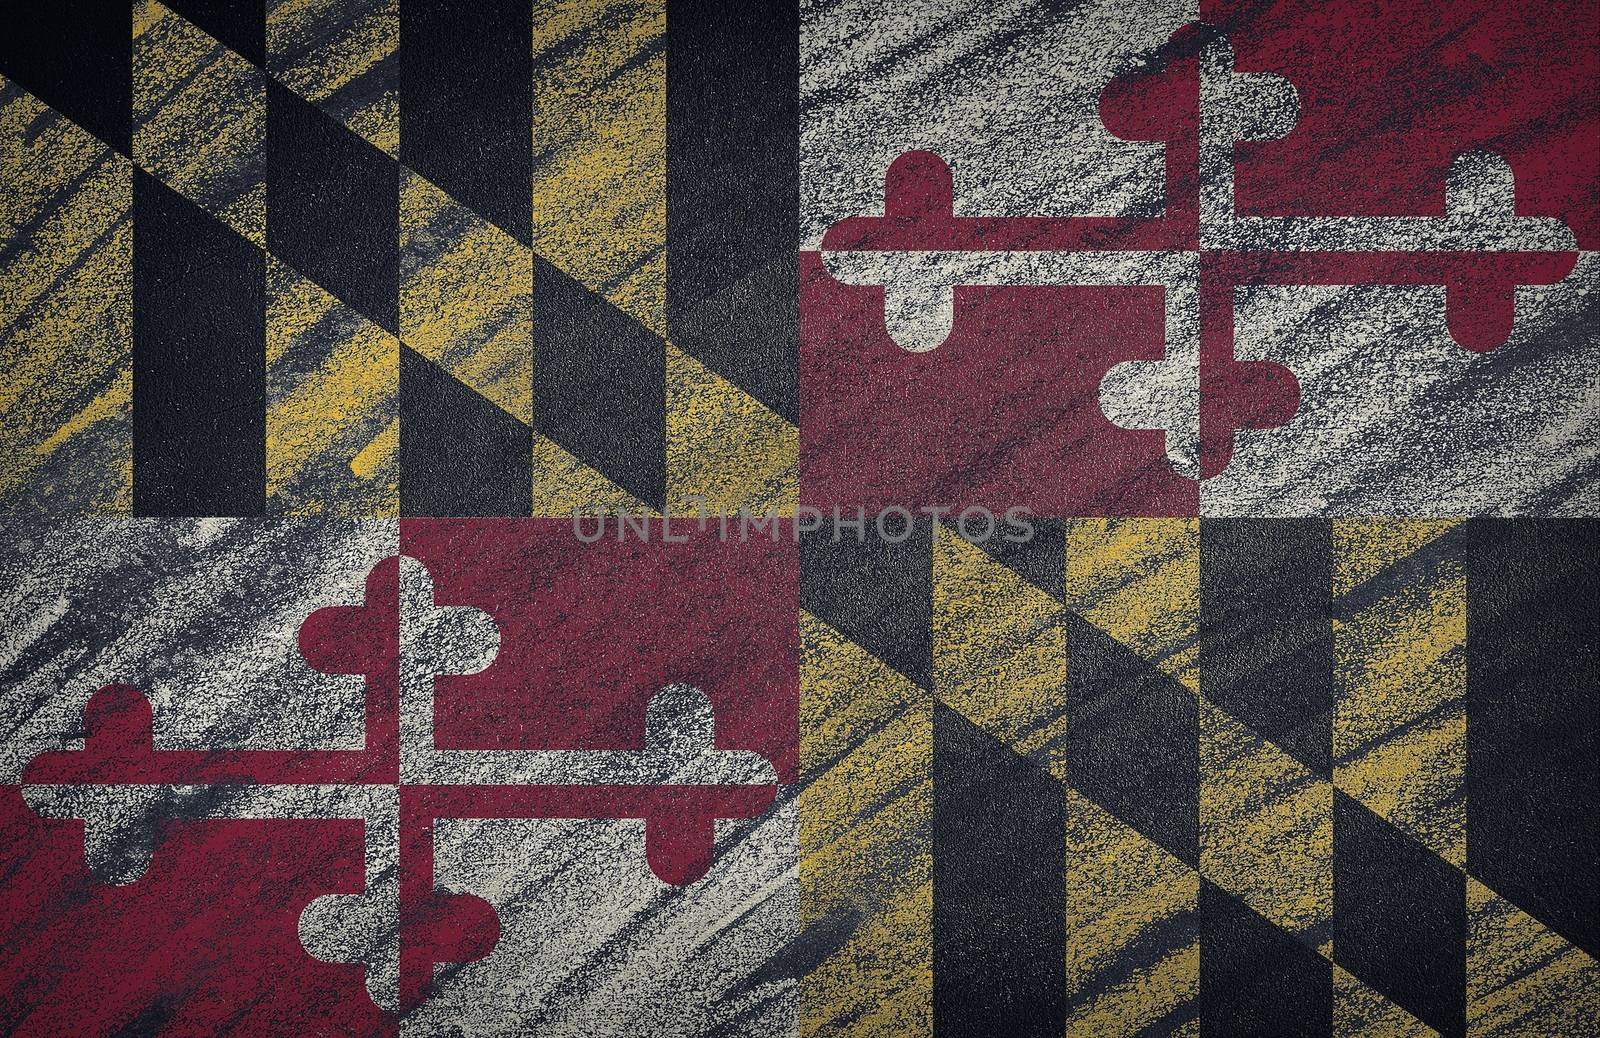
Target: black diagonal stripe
point(334, 205)
point(77, 57)
point(1533, 719)
point(1266, 630)
point(999, 912)
point(1257, 981)
point(599, 384)
point(1399, 918)
point(199, 360)
point(733, 214)
point(466, 104)
point(876, 592)
point(1133, 740)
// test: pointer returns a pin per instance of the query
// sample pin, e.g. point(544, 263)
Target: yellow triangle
point(1266, 824)
point(1138, 581)
point(466, 296)
point(1360, 1012)
point(1363, 548)
point(564, 486)
point(333, 385)
point(199, 118)
point(999, 650)
point(865, 837)
point(1522, 977)
point(1119, 886)
point(351, 46)
point(725, 450)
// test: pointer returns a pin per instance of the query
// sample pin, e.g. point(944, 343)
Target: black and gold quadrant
point(383, 257)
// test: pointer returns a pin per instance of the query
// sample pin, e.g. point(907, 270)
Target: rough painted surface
point(1415, 344)
point(866, 887)
point(1133, 957)
point(974, 91)
point(704, 871)
point(338, 54)
point(643, 957)
point(1268, 827)
point(725, 451)
point(66, 310)
point(1400, 729)
point(199, 114)
point(999, 654)
point(466, 296)
point(1274, 319)
point(1509, 432)
point(655, 833)
point(1521, 978)
point(333, 428)
point(200, 614)
point(1133, 951)
point(599, 140)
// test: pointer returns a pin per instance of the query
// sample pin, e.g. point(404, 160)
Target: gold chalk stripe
point(200, 119)
point(1522, 978)
point(1266, 827)
point(1400, 722)
point(725, 449)
point(333, 383)
point(999, 651)
point(600, 150)
point(866, 840)
point(1360, 1012)
point(563, 486)
point(66, 302)
point(466, 296)
point(600, 205)
point(329, 51)
point(1123, 892)
point(1137, 581)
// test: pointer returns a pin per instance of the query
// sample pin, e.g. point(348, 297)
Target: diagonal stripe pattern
point(441, 263)
point(1241, 890)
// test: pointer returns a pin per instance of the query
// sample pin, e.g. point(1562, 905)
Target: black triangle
point(459, 453)
point(599, 388)
point(241, 27)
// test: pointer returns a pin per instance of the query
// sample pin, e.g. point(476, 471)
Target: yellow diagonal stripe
point(200, 119)
point(1363, 548)
point(1360, 1012)
point(1266, 825)
point(564, 486)
point(725, 450)
point(600, 149)
point(333, 383)
point(466, 296)
point(999, 650)
point(1138, 580)
point(866, 840)
point(1121, 890)
point(1400, 723)
point(1523, 979)
point(66, 302)
point(318, 48)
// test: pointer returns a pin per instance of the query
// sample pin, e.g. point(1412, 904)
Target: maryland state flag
point(662, 519)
